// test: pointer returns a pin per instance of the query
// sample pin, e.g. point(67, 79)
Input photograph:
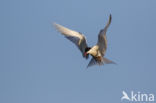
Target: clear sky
point(38, 65)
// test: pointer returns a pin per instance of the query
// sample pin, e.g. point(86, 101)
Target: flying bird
point(97, 52)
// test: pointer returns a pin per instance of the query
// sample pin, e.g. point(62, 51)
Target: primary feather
point(102, 40)
point(76, 37)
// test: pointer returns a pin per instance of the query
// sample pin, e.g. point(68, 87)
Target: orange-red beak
point(85, 54)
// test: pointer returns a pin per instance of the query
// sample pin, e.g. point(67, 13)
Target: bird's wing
point(102, 40)
point(76, 37)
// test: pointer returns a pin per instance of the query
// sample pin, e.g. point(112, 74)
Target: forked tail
point(107, 61)
point(104, 61)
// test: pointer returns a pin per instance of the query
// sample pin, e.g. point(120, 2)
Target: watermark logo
point(137, 96)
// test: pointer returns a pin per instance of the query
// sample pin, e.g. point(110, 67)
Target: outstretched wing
point(77, 38)
point(102, 40)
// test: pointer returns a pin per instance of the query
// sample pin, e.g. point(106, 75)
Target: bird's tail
point(104, 61)
point(107, 61)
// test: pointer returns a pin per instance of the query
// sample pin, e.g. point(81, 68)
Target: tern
point(97, 52)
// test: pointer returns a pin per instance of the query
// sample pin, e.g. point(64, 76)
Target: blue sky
point(38, 65)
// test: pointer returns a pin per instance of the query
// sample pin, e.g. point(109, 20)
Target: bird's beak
point(85, 54)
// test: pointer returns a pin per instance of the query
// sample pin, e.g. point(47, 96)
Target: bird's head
point(86, 54)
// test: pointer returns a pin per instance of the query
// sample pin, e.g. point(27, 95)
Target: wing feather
point(76, 37)
point(102, 40)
